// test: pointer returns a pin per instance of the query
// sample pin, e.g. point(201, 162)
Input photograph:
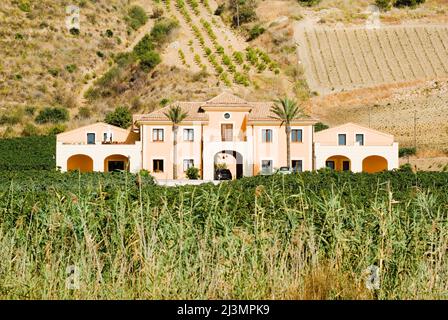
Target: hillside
point(380, 77)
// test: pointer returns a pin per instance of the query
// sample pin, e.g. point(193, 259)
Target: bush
point(52, 114)
point(136, 17)
point(383, 4)
point(120, 117)
point(84, 113)
point(320, 126)
point(192, 173)
point(255, 32)
point(407, 151)
point(157, 12)
point(407, 3)
point(143, 46)
point(71, 68)
point(162, 29)
point(309, 3)
point(24, 5)
point(30, 130)
point(219, 10)
point(56, 129)
point(74, 31)
point(149, 60)
point(109, 33)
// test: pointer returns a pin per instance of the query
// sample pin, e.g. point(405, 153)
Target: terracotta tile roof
point(192, 109)
point(259, 110)
point(226, 99)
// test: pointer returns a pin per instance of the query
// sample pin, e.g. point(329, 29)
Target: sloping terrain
point(348, 58)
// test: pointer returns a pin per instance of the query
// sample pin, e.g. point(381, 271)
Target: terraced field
point(348, 58)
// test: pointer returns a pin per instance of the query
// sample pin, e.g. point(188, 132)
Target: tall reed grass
point(307, 236)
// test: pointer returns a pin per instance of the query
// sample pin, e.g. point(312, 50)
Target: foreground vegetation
point(310, 236)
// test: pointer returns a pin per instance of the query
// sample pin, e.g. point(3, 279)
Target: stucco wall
point(164, 150)
point(80, 135)
point(329, 137)
point(276, 150)
point(98, 153)
point(357, 154)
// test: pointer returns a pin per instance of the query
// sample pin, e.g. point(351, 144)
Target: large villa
point(225, 130)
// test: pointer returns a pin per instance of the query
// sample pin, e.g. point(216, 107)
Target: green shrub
point(30, 130)
point(383, 4)
point(120, 117)
point(71, 68)
point(56, 129)
point(407, 3)
point(407, 151)
point(255, 32)
point(84, 113)
point(53, 115)
point(149, 60)
point(144, 45)
point(192, 173)
point(136, 17)
point(24, 5)
point(109, 33)
point(74, 31)
point(162, 29)
point(309, 3)
point(320, 126)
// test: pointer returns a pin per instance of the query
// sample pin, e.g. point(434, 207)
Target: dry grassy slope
point(37, 48)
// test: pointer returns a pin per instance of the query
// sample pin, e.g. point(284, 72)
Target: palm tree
point(286, 110)
point(176, 116)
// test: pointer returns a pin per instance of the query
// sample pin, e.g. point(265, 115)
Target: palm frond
point(175, 114)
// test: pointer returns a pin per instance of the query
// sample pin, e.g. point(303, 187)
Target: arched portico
point(374, 164)
point(80, 162)
point(232, 160)
point(338, 163)
point(116, 162)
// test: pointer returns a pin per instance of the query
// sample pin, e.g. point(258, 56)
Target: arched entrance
point(338, 163)
point(374, 164)
point(116, 162)
point(231, 160)
point(80, 162)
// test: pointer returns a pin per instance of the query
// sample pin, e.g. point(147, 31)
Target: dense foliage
point(27, 153)
point(136, 17)
point(53, 115)
point(120, 117)
point(309, 235)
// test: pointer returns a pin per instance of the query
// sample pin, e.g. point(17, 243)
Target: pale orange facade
point(223, 131)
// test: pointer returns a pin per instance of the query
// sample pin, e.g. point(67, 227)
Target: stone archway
point(80, 162)
point(338, 163)
point(232, 160)
point(372, 164)
point(116, 162)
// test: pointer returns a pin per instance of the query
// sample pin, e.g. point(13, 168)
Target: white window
point(90, 138)
point(360, 139)
point(188, 163)
point(157, 165)
point(188, 134)
point(297, 165)
point(266, 135)
point(342, 139)
point(266, 166)
point(157, 135)
point(296, 135)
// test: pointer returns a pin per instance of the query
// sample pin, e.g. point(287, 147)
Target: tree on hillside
point(120, 117)
point(286, 110)
point(176, 116)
